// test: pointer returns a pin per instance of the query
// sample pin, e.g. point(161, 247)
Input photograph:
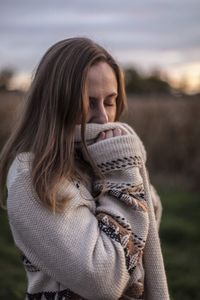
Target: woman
point(79, 198)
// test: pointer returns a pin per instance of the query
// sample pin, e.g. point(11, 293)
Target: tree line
point(136, 83)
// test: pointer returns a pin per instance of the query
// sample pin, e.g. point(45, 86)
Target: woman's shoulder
point(20, 164)
point(19, 178)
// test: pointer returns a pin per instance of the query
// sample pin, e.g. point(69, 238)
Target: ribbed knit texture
point(93, 250)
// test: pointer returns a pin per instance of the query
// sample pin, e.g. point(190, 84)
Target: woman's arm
point(155, 197)
point(157, 205)
point(122, 205)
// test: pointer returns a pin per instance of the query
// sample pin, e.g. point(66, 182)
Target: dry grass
point(169, 128)
point(10, 104)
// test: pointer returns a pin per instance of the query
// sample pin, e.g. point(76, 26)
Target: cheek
point(89, 114)
point(111, 113)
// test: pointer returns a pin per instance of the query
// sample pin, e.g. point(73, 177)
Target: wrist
point(116, 153)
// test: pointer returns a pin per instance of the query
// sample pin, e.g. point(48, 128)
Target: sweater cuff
point(116, 153)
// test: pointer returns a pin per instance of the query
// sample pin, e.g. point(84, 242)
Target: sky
point(146, 34)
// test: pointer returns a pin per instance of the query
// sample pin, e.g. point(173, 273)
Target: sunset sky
point(147, 34)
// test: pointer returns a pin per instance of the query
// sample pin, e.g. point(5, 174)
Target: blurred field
point(10, 107)
point(170, 130)
point(180, 242)
point(12, 276)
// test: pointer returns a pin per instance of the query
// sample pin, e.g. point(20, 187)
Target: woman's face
point(101, 84)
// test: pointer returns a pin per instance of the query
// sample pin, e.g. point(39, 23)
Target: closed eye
point(111, 101)
point(109, 104)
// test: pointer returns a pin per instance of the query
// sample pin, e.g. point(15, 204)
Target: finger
point(123, 132)
point(109, 134)
point(117, 132)
point(101, 136)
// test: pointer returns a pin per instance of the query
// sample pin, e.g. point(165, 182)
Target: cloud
point(146, 33)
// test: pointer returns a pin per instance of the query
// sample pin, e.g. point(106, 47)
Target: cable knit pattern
point(93, 250)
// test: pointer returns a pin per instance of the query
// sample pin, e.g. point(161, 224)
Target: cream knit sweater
point(106, 249)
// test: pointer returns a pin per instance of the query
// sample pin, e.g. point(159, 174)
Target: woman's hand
point(110, 133)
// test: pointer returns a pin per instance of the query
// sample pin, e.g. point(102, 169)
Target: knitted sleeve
point(127, 200)
point(92, 255)
point(122, 212)
point(157, 205)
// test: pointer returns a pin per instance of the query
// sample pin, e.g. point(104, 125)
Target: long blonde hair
point(54, 103)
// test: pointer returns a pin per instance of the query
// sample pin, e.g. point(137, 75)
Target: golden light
point(186, 76)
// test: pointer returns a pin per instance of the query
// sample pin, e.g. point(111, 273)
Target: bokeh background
point(157, 43)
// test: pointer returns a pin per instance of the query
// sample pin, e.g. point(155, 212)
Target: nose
point(101, 115)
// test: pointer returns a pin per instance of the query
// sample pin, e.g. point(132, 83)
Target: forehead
point(101, 77)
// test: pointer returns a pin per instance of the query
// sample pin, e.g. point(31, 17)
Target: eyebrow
point(111, 95)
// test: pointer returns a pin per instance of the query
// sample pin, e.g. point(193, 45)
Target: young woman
point(79, 201)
